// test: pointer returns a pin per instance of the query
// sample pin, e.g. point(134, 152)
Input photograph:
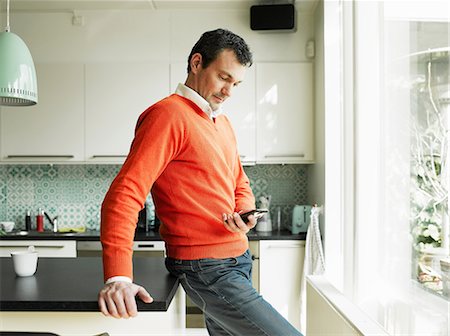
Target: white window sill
point(407, 311)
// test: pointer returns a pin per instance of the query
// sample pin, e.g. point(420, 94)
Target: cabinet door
point(280, 271)
point(284, 96)
point(116, 94)
point(53, 129)
point(240, 108)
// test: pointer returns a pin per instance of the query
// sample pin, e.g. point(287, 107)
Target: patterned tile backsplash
point(75, 192)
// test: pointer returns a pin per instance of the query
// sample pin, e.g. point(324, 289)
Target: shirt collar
point(201, 102)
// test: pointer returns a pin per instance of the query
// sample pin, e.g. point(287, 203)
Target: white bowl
point(7, 226)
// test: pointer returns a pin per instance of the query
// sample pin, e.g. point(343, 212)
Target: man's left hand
point(234, 223)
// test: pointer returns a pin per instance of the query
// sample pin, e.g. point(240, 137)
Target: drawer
point(45, 248)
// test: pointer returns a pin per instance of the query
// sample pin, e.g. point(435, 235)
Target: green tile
point(75, 192)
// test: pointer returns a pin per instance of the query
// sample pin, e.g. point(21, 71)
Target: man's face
point(216, 82)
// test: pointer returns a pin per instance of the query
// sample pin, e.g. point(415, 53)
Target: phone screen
point(258, 213)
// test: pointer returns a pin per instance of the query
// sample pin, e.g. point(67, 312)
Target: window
point(394, 91)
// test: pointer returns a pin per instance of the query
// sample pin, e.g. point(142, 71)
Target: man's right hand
point(117, 299)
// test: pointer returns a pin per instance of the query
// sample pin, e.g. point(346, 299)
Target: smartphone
point(258, 213)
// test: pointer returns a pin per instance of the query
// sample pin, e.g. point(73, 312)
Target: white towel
point(314, 263)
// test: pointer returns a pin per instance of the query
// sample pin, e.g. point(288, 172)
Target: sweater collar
point(201, 102)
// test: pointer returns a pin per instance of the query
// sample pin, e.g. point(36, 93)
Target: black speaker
point(272, 17)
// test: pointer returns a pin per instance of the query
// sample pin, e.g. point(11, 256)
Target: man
point(185, 151)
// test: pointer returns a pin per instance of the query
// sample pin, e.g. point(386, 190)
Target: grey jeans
point(222, 288)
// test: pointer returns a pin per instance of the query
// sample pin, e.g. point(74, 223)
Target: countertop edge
point(143, 236)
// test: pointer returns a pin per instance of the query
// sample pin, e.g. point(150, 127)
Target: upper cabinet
point(52, 130)
point(240, 109)
point(88, 112)
point(116, 94)
point(284, 113)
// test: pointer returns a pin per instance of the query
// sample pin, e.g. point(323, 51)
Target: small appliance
point(301, 216)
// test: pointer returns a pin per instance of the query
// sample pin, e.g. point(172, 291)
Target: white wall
point(165, 35)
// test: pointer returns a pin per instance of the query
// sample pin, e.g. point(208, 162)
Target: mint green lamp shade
point(18, 85)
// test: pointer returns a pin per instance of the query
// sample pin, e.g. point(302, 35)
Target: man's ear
point(196, 62)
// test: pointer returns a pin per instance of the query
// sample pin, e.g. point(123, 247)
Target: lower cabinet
point(280, 272)
point(276, 275)
point(45, 248)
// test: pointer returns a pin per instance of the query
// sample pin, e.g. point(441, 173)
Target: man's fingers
point(229, 223)
point(240, 223)
point(144, 295)
point(234, 223)
point(118, 299)
point(130, 305)
point(102, 306)
point(111, 306)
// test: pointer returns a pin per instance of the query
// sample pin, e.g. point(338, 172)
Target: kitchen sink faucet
point(53, 221)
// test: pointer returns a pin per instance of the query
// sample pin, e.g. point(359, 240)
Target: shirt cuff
point(118, 278)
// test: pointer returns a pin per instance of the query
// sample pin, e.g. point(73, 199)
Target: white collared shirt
point(187, 92)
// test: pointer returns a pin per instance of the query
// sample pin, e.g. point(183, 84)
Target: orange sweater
point(192, 167)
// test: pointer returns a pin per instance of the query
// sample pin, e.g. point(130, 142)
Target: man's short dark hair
point(213, 42)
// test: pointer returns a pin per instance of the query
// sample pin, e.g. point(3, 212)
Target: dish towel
point(314, 263)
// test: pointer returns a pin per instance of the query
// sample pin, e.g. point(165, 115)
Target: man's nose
point(227, 89)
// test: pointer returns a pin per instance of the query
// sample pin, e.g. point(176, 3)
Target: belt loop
point(196, 265)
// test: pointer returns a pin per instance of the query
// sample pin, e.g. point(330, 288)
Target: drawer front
point(45, 248)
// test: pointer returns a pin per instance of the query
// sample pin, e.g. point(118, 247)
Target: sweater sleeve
point(245, 200)
point(158, 139)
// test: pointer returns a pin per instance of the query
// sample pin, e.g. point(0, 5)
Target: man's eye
point(222, 77)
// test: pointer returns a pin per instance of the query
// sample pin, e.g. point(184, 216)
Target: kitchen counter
point(62, 298)
point(72, 284)
point(140, 236)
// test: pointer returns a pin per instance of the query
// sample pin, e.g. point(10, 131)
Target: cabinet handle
point(108, 156)
point(146, 245)
point(284, 155)
point(35, 245)
point(39, 156)
point(294, 245)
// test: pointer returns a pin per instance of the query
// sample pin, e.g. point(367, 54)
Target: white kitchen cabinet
point(284, 113)
point(116, 94)
point(45, 248)
point(239, 108)
point(52, 130)
point(280, 271)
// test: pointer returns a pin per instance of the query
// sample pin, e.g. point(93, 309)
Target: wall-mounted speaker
point(273, 17)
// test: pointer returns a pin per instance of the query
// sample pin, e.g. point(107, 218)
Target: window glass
point(401, 159)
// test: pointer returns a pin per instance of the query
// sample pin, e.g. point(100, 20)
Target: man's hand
point(234, 223)
point(117, 299)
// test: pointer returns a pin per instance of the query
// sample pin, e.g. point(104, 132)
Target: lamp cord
point(7, 16)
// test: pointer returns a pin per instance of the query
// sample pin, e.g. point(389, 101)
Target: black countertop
point(140, 236)
point(72, 284)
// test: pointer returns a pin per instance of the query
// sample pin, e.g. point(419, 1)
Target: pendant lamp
point(18, 86)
